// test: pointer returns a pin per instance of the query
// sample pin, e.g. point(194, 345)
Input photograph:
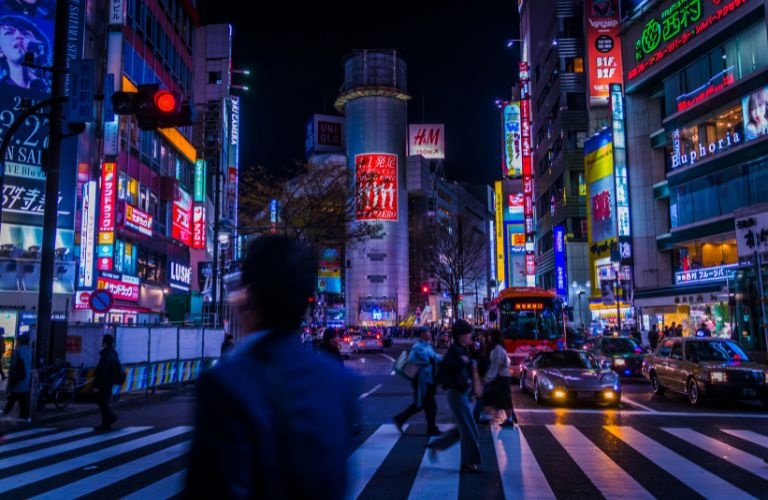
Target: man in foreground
point(273, 420)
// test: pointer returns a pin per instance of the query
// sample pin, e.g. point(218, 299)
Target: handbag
point(477, 383)
point(405, 369)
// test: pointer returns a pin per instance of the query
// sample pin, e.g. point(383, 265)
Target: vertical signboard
point(620, 172)
point(107, 216)
point(525, 128)
point(87, 237)
point(376, 187)
point(200, 181)
point(427, 140)
point(512, 154)
point(234, 131)
point(500, 262)
point(181, 223)
point(603, 48)
point(329, 271)
point(198, 227)
point(561, 279)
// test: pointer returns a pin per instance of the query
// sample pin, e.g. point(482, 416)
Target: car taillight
point(346, 339)
point(378, 335)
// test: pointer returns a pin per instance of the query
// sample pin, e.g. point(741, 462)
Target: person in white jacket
point(497, 392)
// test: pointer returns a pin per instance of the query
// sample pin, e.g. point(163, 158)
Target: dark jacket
point(328, 349)
point(274, 420)
point(454, 372)
point(107, 369)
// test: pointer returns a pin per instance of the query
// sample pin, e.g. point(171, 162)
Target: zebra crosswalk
point(531, 461)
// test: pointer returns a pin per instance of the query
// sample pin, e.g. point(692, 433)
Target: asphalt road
point(649, 447)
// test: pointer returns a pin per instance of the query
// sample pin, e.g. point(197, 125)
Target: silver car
point(569, 376)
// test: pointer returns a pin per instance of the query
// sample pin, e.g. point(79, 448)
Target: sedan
point(706, 368)
point(368, 341)
point(569, 376)
point(622, 354)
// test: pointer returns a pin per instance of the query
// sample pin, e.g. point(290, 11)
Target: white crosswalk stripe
point(524, 468)
point(725, 451)
point(28, 432)
point(28, 443)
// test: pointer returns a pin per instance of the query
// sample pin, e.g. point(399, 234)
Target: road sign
point(101, 301)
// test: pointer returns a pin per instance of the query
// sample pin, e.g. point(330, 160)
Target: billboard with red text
point(603, 49)
point(427, 140)
point(376, 187)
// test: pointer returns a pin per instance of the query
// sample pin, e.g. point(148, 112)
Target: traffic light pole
point(53, 167)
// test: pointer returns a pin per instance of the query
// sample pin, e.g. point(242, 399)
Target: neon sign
point(675, 30)
point(107, 216)
point(710, 88)
point(137, 220)
point(529, 306)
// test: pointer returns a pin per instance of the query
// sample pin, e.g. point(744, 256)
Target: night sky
point(458, 64)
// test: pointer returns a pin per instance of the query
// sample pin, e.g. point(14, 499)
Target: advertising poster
point(87, 236)
point(181, 224)
point(512, 137)
point(598, 163)
point(376, 187)
point(198, 227)
point(499, 228)
point(137, 220)
point(107, 216)
point(603, 49)
point(755, 109)
point(427, 140)
point(329, 271)
point(561, 275)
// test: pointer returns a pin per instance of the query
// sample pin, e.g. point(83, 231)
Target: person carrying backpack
point(19, 376)
point(424, 384)
point(109, 373)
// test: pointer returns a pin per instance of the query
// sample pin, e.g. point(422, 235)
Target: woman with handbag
point(498, 389)
point(425, 358)
point(459, 376)
point(19, 378)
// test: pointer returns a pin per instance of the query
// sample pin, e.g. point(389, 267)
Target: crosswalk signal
point(153, 107)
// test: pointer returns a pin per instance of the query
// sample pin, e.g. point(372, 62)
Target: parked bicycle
point(57, 386)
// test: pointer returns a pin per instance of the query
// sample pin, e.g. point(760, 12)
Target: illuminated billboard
point(427, 140)
point(499, 226)
point(512, 147)
point(561, 274)
point(198, 227)
point(329, 271)
point(87, 237)
point(137, 220)
point(603, 49)
point(598, 165)
point(107, 216)
point(376, 187)
point(181, 223)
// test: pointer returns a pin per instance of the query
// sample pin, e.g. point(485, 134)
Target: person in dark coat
point(273, 420)
point(19, 377)
point(229, 343)
point(456, 378)
point(329, 346)
point(108, 374)
point(653, 337)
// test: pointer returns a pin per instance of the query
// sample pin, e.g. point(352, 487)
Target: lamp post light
point(581, 291)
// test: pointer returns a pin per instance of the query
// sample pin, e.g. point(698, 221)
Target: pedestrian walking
point(703, 331)
point(457, 378)
point(329, 346)
point(497, 391)
point(653, 337)
point(424, 356)
point(483, 358)
point(19, 376)
point(109, 373)
point(673, 330)
point(679, 331)
point(276, 420)
point(229, 343)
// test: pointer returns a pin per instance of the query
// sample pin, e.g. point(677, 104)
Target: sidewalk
point(82, 406)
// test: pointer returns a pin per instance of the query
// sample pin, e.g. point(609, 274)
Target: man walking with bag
point(424, 386)
point(19, 378)
point(109, 373)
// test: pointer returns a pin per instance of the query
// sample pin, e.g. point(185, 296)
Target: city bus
point(530, 319)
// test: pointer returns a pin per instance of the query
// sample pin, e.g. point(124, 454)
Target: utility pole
point(52, 161)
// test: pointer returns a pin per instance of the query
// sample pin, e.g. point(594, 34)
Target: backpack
point(119, 375)
point(18, 370)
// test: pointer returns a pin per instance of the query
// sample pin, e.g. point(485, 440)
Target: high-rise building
point(552, 48)
point(373, 99)
point(695, 82)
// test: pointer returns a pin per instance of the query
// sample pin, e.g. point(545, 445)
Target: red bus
point(531, 319)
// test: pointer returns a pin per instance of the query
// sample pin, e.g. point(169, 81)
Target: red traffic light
point(165, 101)
point(424, 289)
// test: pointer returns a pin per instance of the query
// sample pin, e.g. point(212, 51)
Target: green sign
point(673, 21)
point(200, 175)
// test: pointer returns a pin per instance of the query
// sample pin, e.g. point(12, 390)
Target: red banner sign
point(601, 206)
point(603, 48)
point(198, 227)
point(181, 224)
point(137, 220)
point(376, 186)
point(120, 289)
point(108, 195)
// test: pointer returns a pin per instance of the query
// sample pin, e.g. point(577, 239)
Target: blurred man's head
point(462, 333)
point(279, 277)
point(425, 334)
point(107, 340)
point(331, 335)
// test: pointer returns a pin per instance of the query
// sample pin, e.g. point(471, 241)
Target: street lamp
point(580, 291)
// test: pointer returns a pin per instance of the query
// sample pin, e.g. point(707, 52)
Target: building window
point(214, 77)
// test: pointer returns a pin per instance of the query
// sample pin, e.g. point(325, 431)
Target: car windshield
point(620, 346)
point(697, 351)
point(540, 319)
point(565, 359)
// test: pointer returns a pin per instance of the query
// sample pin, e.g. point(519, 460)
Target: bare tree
point(315, 204)
point(455, 256)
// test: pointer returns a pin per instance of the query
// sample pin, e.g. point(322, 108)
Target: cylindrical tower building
point(373, 98)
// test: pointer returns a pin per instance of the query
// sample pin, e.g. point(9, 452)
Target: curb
point(94, 410)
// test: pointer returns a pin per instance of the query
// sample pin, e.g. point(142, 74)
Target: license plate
point(584, 394)
point(749, 392)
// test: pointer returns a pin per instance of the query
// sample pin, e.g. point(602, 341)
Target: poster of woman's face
point(755, 111)
point(26, 27)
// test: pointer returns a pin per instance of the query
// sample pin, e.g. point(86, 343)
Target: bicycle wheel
point(64, 393)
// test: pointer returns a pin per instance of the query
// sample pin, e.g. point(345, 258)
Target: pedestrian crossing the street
point(531, 461)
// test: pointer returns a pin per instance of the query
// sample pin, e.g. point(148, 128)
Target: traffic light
point(153, 107)
point(425, 289)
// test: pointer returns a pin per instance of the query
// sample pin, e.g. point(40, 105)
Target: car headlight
point(544, 381)
point(718, 377)
point(619, 361)
point(609, 378)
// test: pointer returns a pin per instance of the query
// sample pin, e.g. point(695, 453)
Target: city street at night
point(650, 447)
